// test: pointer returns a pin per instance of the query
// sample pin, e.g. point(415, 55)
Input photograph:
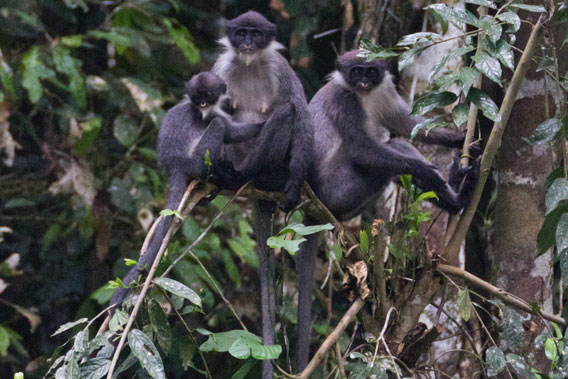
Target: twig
point(453, 246)
point(333, 337)
point(507, 297)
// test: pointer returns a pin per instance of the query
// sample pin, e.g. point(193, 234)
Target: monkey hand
point(471, 173)
point(292, 192)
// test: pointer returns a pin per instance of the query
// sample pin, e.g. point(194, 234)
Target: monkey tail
point(305, 263)
point(177, 189)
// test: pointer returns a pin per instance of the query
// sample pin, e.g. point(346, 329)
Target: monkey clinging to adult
point(263, 87)
point(189, 130)
point(352, 165)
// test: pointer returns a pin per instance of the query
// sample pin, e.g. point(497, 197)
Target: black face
point(248, 40)
point(364, 78)
point(204, 89)
point(250, 32)
point(359, 74)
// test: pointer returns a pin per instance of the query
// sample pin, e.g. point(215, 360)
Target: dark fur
point(264, 87)
point(352, 163)
point(188, 131)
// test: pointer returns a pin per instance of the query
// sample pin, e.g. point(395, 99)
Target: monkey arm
point(240, 131)
point(401, 124)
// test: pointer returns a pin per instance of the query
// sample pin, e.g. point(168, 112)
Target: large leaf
point(292, 246)
point(434, 100)
point(520, 366)
point(34, 70)
point(495, 360)
point(408, 57)
point(488, 66)
point(125, 130)
point(161, 326)
point(546, 237)
point(421, 37)
point(557, 192)
point(305, 230)
point(455, 15)
point(460, 114)
point(464, 304)
point(183, 39)
point(178, 289)
point(562, 246)
point(70, 325)
point(371, 51)
point(146, 353)
point(491, 28)
point(512, 19)
point(240, 344)
point(485, 3)
point(530, 8)
point(545, 132)
point(502, 51)
point(95, 368)
point(4, 341)
point(453, 54)
point(485, 103)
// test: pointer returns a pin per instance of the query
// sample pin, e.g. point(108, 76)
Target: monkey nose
point(364, 84)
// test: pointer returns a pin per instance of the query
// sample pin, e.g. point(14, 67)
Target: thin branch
point(333, 337)
point(149, 278)
point(507, 297)
point(453, 246)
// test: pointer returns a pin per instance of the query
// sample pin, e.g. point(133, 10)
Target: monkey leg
point(266, 271)
point(305, 262)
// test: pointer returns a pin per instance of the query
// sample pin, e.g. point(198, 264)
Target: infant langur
point(191, 130)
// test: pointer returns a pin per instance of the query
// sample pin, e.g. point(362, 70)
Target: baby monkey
point(191, 130)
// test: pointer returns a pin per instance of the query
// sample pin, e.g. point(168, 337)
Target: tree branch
point(507, 297)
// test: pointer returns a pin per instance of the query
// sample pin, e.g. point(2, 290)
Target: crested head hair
point(352, 58)
point(252, 19)
point(205, 81)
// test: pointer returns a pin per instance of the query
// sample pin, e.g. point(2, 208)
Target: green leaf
point(464, 304)
point(292, 246)
point(455, 15)
point(246, 347)
point(73, 4)
point(171, 212)
point(545, 132)
point(557, 192)
point(416, 38)
point(70, 325)
point(485, 3)
point(121, 40)
point(178, 289)
point(431, 101)
point(4, 341)
point(118, 320)
point(183, 39)
point(72, 371)
point(33, 71)
point(495, 360)
point(460, 114)
point(530, 8)
point(95, 368)
point(562, 246)
point(484, 102)
point(240, 344)
point(305, 230)
point(520, 366)
point(488, 66)
point(7, 78)
point(547, 234)
point(126, 130)
point(512, 19)
point(467, 77)
point(70, 67)
point(72, 41)
point(231, 267)
point(161, 327)
point(551, 350)
point(502, 51)
point(491, 28)
point(147, 354)
point(454, 54)
point(369, 50)
point(408, 57)
point(363, 241)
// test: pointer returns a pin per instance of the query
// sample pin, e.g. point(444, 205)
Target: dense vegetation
point(84, 85)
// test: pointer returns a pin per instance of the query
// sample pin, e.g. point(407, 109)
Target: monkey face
point(205, 89)
point(250, 32)
point(364, 78)
point(247, 40)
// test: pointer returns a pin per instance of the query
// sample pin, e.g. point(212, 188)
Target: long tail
point(178, 184)
point(305, 263)
point(263, 221)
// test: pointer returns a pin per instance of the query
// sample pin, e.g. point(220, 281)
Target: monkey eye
point(356, 72)
point(241, 33)
point(372, 72)
point(209, 94)
point(257, 33)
